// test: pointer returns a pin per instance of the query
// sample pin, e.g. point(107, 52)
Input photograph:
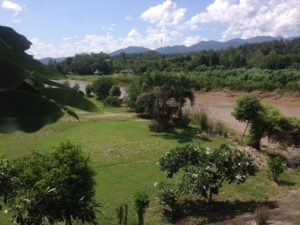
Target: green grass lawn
point(124, 154)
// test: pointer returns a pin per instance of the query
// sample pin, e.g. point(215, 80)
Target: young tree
point(247, 109)
point(205, 171)
point(101, 87)
point(275, 167)
point(141, 202)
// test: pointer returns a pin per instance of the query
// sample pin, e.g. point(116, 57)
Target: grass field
point(124, 154)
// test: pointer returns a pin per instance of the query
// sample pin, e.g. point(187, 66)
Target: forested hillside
point(270, 55)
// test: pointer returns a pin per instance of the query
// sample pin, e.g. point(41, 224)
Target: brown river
point(220, 107)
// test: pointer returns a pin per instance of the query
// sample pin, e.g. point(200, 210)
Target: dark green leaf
point(26, 111)
point(11, 74)
point(68, 97)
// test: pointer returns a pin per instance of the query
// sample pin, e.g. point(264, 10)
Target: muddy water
point(221, 107)
point(83, 84)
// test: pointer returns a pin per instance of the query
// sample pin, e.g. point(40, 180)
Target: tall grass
point(202, 118)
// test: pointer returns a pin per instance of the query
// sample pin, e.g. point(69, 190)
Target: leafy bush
point(275, 167)
point(53, 186)
point(101, 87)
point(134, 92)
point(158, 126)
point(115, 91)
point(141, 202)
point(112, 101)
point(88, 90)
point(168, 198)
point(205, 171)
point(144, 104)
point(261, 215)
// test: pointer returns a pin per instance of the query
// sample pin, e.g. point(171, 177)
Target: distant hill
point(130, 50)
point(215, 45)
point(48, 60)
point(203, 45)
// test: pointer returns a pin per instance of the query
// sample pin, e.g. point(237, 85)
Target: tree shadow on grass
point(182, 135)
point(285, 183)
point(219, 210)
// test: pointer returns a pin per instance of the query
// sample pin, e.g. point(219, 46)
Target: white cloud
point(16, 8)
point(12, 6)
point(248, 18)
point(191, 40)
point(164, 14)
point(134, 33)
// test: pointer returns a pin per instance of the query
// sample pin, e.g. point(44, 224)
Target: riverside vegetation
point(126, 152)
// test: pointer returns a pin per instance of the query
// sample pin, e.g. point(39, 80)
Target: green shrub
point(275, 167)
point(141, 202)
point(101, 87)
point(115, 91)
point(112, 101)
point(168, 199)
point(261, 215)
point(144, 104)
point(158, 126)
point(88, 90)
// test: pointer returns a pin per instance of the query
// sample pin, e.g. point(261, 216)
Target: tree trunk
point(245, 129)
point(141, 218)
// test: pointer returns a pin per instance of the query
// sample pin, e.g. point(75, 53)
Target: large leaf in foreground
point(11, 76)
point(26, 111)
point(68, 97)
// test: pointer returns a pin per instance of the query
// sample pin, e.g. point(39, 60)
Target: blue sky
point(66, 27)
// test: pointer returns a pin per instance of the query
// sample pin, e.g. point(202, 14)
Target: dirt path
point(285, 212)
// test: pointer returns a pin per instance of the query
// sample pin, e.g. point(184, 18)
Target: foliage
point(158, 126)
point(134, 91)
point(247, 108)
point(144, 104)
point(141, 202)
point(275, 167)
point(115, 91)
point(273, 55)
point(112, 101)
point(101, 87)
point(266, 121)
point(206, 170)
point(88, 90)
point(261, 215)
point(169, 199)
point(22, 79)
point(50, 188)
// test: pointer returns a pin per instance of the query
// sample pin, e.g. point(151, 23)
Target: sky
point(60, 28)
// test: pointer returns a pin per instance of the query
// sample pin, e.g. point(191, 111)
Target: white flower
point(155, 184)
point(5, 211)
point(207, 168)
point(238, 177)
point(194, 175)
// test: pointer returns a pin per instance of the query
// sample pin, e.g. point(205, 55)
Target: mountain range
point(177, 49)
point(201, 46)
